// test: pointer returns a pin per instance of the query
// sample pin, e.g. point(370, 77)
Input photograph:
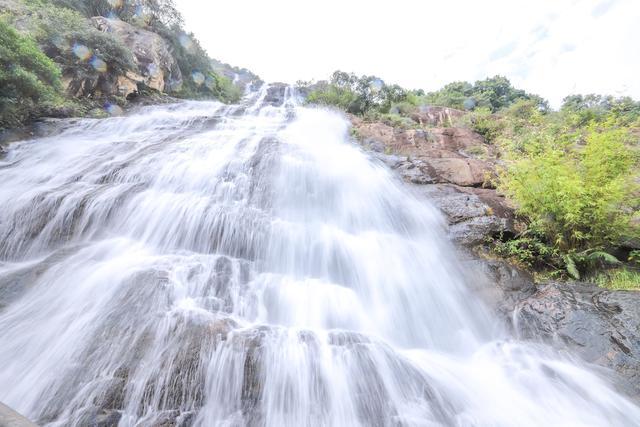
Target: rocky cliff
point(452, 168)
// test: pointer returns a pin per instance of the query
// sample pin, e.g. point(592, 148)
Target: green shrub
point(486, 124)
point(579, 199)
point(27, 77)
point(531, 251)
point(61, 32)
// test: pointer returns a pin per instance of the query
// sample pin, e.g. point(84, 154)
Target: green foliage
point(531, 251)
point(582, 110)
point(357, 95)
point(62, 29)
point(579, 198)
point(73, 42)
point(484, 123)
point(619, 279)
point(494, 94)
point(151, 13)
point(27, 77)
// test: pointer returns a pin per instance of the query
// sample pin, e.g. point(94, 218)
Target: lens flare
point(61, 43)
point(185, 41)
point(113, 110)
point(198, 77)
point(210, 82)
point(81, 52)
point(98, 64)
point(153, 69)
point(376, 85)
point(469, 104)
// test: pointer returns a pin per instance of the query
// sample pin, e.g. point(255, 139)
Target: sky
point(550, 47)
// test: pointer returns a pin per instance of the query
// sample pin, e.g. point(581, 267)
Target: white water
point(200, 264)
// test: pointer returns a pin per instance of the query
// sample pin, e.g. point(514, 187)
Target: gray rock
point(473, 214)
point(275, 94)
point(601, 326)
point(10, 418)
point(157, 68)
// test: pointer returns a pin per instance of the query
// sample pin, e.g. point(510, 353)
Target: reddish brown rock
point(436, 116)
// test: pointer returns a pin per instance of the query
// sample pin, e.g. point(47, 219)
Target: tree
point(494, 93)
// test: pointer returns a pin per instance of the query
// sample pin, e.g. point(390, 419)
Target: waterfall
point(212, 265)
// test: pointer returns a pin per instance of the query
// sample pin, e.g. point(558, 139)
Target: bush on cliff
point(578, 193)
point(71, 40)
point(28, 78)
point(162, 17)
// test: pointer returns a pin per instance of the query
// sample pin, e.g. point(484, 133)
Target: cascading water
point(200, 264)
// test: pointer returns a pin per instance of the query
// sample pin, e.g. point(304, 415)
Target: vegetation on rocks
point(357, 95)
point(27, 77)
point(573, 174)
point(76, 66)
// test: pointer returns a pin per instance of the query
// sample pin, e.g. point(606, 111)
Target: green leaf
point(604, 257)
point(570, 265)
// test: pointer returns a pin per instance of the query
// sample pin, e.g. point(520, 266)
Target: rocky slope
point(452, 167)
point(107, 61)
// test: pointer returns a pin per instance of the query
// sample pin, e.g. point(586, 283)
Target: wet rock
point(275, 94)
point(10, 418)
point(452, 167)
point(473, 214)
point(40, 129)
point(504, 286)
point(602, 326)
point(347, 338)
point(95, 417)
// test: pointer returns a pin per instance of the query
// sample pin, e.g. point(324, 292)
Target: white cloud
point(550, 47)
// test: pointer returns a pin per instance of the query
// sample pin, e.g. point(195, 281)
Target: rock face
point(428, 115)
point(10, 418)
point(276, 94)
point(453, 167)
point(602, 326)
point(448, 166)
point(442, 155)
point(157, 68)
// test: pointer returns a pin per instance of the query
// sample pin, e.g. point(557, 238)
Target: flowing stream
point(212, 265)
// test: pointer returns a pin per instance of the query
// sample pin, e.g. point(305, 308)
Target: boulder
point(461, 172)
point(473, 214)
point(276, 94)
point(601, 326)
